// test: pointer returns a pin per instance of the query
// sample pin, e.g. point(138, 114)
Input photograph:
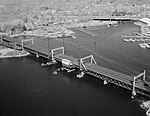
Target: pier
point(138, 84)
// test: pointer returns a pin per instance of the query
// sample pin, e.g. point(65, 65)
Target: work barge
point(138, 84)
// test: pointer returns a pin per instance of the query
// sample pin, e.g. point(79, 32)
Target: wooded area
point(20, 15)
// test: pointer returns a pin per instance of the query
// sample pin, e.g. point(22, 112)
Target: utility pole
point(79, 48)
point(95, 46)
point(63, 42)
point(48, 44)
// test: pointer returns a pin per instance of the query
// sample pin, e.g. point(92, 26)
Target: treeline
point(56, 12)
point(14, 26)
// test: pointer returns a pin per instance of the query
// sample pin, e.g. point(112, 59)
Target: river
point(27, 89)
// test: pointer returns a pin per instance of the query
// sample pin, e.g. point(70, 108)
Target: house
point(144, 24)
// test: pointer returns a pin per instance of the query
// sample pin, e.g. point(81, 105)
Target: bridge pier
point(37, 55)
point(134, 80)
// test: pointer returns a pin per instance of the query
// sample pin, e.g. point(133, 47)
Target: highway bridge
point(138, 84)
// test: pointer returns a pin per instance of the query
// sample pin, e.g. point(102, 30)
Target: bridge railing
point(28, 40)
point(82, 60)
point(53, 51)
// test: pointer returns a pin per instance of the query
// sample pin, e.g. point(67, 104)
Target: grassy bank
point(8, 53)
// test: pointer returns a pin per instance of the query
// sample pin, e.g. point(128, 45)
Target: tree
point(29, 25)
point(6, 26)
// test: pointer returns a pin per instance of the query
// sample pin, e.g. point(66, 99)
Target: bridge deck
point(134, 18)
point(90, 67)
point(108, 73)
point(12, 40)
point(117, 76)
point(37, 49)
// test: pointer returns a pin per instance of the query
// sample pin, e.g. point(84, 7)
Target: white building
point(144, 24)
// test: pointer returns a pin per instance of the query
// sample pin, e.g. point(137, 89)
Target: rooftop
point(145, 20)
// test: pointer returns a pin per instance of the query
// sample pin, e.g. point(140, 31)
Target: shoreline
point(15, 56)
point(11, 53)
point(55, 32)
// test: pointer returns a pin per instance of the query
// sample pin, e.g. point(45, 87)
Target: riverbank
point(9, 53)
point(59, 31)
point(91, 23)
point(52, 32)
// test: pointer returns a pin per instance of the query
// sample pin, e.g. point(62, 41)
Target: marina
point(141, 38)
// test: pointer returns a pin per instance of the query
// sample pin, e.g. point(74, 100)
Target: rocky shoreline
point(9, 53)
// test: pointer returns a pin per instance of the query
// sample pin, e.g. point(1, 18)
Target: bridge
point(138, 84)
point(107, 18)
point(116, 18)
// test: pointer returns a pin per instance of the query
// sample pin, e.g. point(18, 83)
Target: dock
point(138, 84)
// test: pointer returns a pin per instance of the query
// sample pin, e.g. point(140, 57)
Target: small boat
point(148, 112)
point(55, 73)
point(70, 70)
point(146, 44)
point(73, 37)
point(80, 75)
point(126, 40)
point(49, 63)
point(132, 40)
point(142, 45)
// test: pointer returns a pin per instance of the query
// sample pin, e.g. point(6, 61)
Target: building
point(144, 24)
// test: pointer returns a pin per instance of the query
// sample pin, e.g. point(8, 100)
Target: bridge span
point(116, 18)
point(107, 18)
point(137, 84)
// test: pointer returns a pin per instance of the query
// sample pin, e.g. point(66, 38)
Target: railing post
point(87, 57)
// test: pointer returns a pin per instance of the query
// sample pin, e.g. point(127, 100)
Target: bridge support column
point(134, 81)
point(133, 89)
point(92, 61)
point(23, 41)
point(56, 49)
